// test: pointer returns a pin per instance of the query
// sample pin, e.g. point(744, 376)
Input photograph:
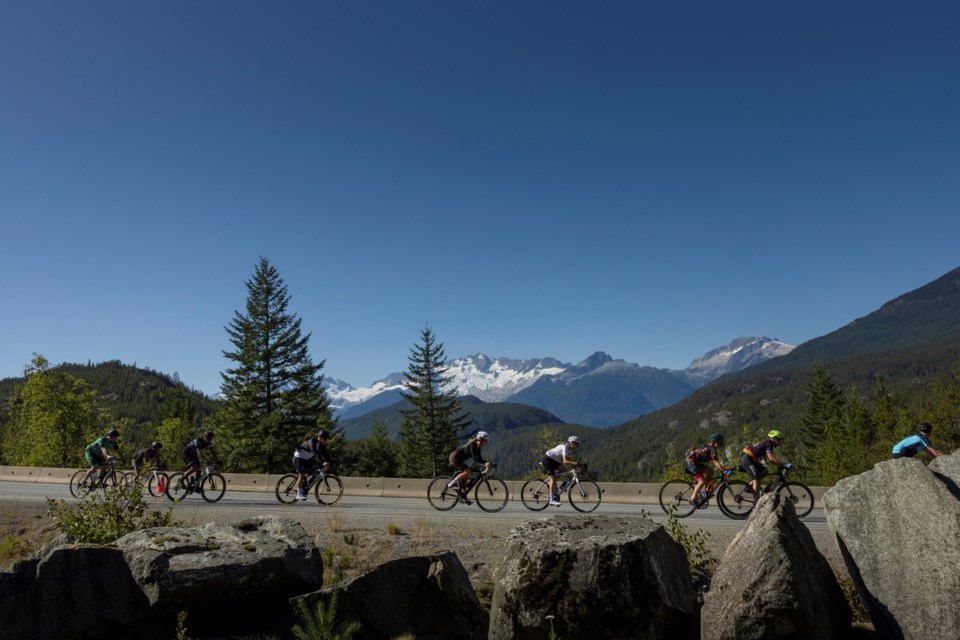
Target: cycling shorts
point(94, 458)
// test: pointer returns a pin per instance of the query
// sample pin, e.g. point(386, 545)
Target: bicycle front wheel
point(78, 490)
point(157, 484)
point(329, 490)
point(442, 497)
point(177, 488)
point(286, 490)
point(213, 487)
point(676, 495)
point(491, 494)
point(584, 495)
point(535, 495)
point(800, 495)
point(736, 499)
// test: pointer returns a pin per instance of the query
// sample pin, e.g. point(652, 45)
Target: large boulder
point(16, 600)
point(898, 528)
point(773, 582)
point(429, 597)
point(596, 577)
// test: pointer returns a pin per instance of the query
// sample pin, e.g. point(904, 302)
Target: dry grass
point(23, 530)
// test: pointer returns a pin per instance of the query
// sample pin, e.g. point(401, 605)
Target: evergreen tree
point(273, 398)
point(53, 417)
point(436, 418)
point(378, 454)
point(824, 405)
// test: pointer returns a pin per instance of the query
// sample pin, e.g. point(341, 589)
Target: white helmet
point(482, 435)
point(573, 440)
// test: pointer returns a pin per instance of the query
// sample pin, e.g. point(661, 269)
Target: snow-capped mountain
point(568, 390)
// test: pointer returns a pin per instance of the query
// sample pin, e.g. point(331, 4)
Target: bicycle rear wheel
point(676, 495)
point(177, 488)
point(442, 497)
point(157, 483)
point(800, 495)
point(535, 495)
point(286, 490)
point(491, 494)
point(78, 490)
point(329, 490)
point(584, 495)
point(736, 499)
point(213, 487)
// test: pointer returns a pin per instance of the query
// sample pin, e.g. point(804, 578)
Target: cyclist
point(556, 460)
point(753, 458)
point(912, 445)
point(307, 456)
point(98, 453)
point(458, 460)
point(149, 454)
point(695, 461)
point(193, 456)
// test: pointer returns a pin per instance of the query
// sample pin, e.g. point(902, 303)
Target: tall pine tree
point(272, 396)
point(824, 407)
point(436, 418)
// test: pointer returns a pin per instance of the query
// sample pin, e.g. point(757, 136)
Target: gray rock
point(773, 582)
point(181, 568)
point(599, 577)
point(898, 528)
point(16, 600)
point(429, 597)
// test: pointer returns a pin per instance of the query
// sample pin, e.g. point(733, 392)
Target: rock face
point(898, 527)
point(429, 597)
point(773, 582)
point(228, 577)
point(599, 577)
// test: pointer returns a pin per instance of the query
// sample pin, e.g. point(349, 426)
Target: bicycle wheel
point(286, 490)
point(213, 487)
point(584, 495)
point(800, 495)
point(112, 480)
point(78, 490)
point(676, 495)
point(177, 488)
point(535, 495)
point(329, 490)
point(442, 497)
point(491, 494)
point(157, 483)
point(736, 499)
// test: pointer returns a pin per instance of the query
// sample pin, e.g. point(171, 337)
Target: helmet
point(775, 434)
point(113, 433)
point(323, 434)
point(926, 427)
point(482, 435)
point(717, 437)
point(573, 440)
point(156, 445)
point(208, 434)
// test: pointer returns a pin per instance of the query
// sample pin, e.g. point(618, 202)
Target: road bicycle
point(796, 492)
point(210, 484)
point(109, 479)
point(326, 486)
point(490, 494)
point(155, 481)
point(584, 495)
point(734, 497)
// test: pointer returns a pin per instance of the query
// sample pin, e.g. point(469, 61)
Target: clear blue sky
point(529, 179)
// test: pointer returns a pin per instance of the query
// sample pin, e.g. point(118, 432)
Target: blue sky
point(529, 179)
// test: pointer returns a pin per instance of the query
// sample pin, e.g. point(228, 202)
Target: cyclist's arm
point(772, 458)
point(933, 452)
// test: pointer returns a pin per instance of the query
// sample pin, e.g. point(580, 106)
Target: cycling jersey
point(470, 450)
point(312, 450)
point(911, 446)
point(103, 442)
point(702, 455)
point(561, 451)
point(759, 451)
point(143, 456)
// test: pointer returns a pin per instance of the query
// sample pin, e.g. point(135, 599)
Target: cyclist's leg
point(189, 456)
point(462, 472)
point(754, 469)
point(94, 461)
point(302, 467)
point(551, 467)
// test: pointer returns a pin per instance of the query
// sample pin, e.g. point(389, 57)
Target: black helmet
point(156, 444)
point(718, 438)
point(926, 427)
point(208, 434)
point(323, 434)
point(113, 433)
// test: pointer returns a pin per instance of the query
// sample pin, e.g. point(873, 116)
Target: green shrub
point(695, 544)
point(102, 518)
point(321, 623)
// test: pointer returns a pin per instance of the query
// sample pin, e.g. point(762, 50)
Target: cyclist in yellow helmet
point(754, 457)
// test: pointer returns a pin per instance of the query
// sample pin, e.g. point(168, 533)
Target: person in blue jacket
point(912, 445)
